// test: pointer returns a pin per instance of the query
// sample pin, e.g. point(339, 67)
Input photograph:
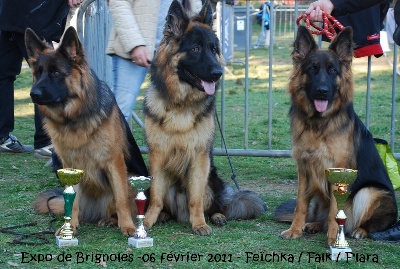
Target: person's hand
point(74, 3)
point(315, 9)
point(140, 56)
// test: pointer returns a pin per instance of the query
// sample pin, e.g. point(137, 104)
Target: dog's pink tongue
point(209, 87)
point(321, 105)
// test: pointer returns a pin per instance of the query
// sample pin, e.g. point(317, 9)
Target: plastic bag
point(389, 161)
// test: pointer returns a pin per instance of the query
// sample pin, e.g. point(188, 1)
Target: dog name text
point(269, 257)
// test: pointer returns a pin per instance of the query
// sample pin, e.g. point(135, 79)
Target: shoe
point(11, 144)
point(390, 235)
point(49, 163)
point(44, 152)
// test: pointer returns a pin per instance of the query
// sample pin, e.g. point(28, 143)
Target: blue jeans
point(127, 80)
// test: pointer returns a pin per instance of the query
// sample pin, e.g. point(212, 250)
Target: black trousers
point(12, 53)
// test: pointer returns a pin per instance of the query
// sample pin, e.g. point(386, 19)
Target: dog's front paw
point(108, 222)
point(75, 226)
point(147, 225)
point(312, 228)
point(331, 240)
point(202, 229)
point(359, 233)
point(151, 217)
point(163, 217)
point(291, 233)
point(218, 219)
point(333, 229)
point(128, 230)
point(74, 230)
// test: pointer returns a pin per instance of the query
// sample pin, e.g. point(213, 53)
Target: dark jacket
point(46, 17)
point(396, 34)
point(366, 18)
point(344, 7)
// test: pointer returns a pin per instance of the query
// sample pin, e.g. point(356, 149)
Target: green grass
point(236, 245)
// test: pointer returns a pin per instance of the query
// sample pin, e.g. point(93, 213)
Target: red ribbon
point(329, 25)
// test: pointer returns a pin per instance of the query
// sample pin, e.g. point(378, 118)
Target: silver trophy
point(140, 238)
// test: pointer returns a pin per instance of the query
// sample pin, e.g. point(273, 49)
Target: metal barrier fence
point(94, 23)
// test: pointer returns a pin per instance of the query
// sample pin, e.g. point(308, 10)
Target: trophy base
point(140, 242)
point(66, 242)
point(338, 254)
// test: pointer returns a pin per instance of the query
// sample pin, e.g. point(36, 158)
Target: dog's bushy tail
point(49, 201)
point(285, 211)
point(242, 204)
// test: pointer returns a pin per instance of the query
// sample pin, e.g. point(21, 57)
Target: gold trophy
point(140, 238)
point(341, 178)
point(69, 177)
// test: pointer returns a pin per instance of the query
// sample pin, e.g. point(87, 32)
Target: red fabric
point(374, 49)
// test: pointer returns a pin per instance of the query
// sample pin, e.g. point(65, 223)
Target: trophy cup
point(140, 238)
point(341, 178)
point(69, 177)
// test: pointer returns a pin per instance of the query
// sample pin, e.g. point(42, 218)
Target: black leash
point(233, 177)
point(40, 236)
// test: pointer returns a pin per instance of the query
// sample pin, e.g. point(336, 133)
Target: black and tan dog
point(179, 122)
point(327, 133)
point(88, 132)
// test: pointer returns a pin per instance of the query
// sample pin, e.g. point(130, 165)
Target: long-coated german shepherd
point(179, 122)
point(88, 132)
point(327, 133)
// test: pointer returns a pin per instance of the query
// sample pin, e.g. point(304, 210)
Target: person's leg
point(10, 66)
point(127, 80)
point(41, 141)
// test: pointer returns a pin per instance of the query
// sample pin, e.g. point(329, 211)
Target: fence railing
point(94, 23)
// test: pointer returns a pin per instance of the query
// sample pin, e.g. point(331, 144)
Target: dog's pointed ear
point(71, 47)
point(343, 45)
point(303, 44)
point(34, 45)
point(177, 20)
point(206, 13)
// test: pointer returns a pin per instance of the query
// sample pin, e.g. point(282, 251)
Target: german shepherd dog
point(327, 133)
point(179, 123)
point(88, 132)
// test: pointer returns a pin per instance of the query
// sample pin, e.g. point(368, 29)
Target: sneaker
point(44, 152)
point(390, 235)
point(49, 163)
point(11, 144)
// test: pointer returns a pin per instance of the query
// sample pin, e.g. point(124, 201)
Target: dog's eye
point(39, 72)
point(332, 70)
point(56, 73)
point(196, 49)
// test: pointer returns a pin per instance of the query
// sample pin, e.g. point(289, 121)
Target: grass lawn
point(240, 244)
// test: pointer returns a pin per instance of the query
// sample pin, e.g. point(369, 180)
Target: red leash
point(329, 25)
